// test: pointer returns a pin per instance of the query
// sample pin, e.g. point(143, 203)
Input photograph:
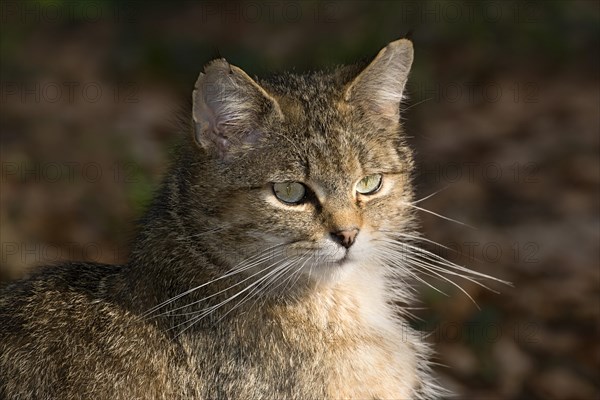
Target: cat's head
point(300, 175)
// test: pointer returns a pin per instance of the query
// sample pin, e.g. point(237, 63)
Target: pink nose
point(345, 237)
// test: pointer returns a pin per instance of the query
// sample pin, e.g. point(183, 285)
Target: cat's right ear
point(228, 108)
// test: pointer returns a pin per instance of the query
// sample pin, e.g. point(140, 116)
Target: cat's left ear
point(229, 108)
point(379, 87)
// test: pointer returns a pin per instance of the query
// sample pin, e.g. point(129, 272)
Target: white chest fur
point(371, 355)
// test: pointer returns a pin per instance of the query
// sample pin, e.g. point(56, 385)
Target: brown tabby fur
point(321, 329)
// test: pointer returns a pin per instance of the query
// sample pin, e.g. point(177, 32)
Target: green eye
point(369, 184)
point(289, 192)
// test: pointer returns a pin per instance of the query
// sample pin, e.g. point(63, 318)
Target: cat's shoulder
point(78, 277)
point(68, 293)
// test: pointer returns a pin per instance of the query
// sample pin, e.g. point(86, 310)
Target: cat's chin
point(329, 272)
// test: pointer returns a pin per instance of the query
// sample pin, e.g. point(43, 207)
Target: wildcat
point(271, 265)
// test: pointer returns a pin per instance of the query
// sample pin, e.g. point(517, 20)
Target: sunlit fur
point(230, 292)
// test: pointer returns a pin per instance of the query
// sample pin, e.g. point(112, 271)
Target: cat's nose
point(345, 237)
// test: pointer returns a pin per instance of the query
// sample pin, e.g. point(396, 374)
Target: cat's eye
point(369, 184)
point(290, 192)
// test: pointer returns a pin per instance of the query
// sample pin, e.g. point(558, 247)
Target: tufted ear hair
point(379, 87)
point(228, 108)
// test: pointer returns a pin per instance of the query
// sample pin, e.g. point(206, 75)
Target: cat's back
point(61, 332)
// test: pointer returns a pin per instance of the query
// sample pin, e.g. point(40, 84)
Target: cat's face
point(307, 174)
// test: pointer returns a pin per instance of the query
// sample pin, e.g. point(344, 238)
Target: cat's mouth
point(337, 257)
point(345, 258)
point(320, 255)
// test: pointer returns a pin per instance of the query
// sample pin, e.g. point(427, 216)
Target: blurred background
point(503, 113)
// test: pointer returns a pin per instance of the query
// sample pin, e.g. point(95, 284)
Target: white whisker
point(207, 311)
point(430, 195)
point(288, 279)
point(246, 267)
point(277, 272)
point(439, 215)
point(445, 262)
point(236, 269)
point(415, 276)
point(453, 283)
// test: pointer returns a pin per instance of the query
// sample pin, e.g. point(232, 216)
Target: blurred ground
point(503, 113)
